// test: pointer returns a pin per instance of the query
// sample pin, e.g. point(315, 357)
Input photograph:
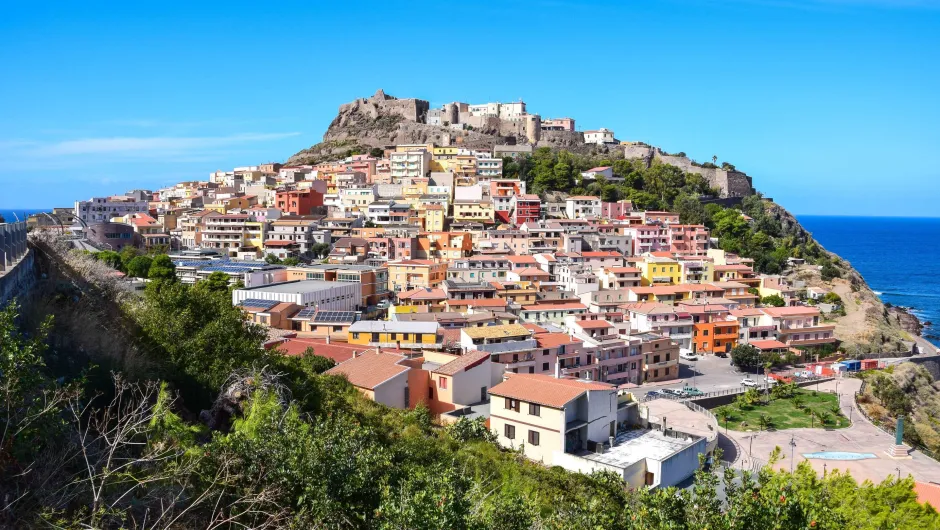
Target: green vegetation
point(907, 390)
point(763, 238)
point(278, 444)
point(786, 408)
point(774, 300)
point(155, 266)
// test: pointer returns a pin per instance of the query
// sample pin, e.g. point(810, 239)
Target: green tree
point(216, 282)
point(745, 356)
point(376, 152)
point(724, 414)
point(466, 430)
point(139, 267)
point(162, 268)
point(110, 258)
point(272, 259)
point(773, 300)
point(291, 261)
point(320, 250)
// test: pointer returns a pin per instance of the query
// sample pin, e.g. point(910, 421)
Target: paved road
point(708, 374)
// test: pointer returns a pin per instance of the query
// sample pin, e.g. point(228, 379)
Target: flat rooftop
point(632, 446)
point(296, 287)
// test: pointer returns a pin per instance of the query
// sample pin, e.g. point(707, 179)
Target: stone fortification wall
point(732, 183)
point(415, 110)
point(17, 273)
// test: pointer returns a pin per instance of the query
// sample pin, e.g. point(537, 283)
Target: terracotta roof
point(767, 344)
point(732, 268)
point(434, 293)
point(928, 493)
point(339, 352)
point(469, 360)
point(449, 335)
point(602, 254)
point(370, 369)
point(593, 324)
point(534, 328)
point(649, 308)
point(531, 271)
point(554, 307)
point(521, 259)
point(621, 270)
point(551, 340)
point(544, 389)
point(747, 312)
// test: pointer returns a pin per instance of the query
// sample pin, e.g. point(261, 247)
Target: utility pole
point(792, 447)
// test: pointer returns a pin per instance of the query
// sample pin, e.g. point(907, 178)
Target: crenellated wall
point(16, 262)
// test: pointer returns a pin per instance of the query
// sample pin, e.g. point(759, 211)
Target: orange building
point(719, 336)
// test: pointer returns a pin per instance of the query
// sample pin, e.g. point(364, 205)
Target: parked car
point(770, 381)
point(688, 356)
point(691, 391)
point(750, 383)
point(673, 392)
point(721, 354)
point(653, 394)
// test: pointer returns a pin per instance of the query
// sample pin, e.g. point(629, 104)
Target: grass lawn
point(784, 414)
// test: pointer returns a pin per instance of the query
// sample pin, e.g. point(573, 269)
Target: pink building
point(689, 240)
point(527, 208)
point(616, 210)
point(558, 124)
point(648, 238)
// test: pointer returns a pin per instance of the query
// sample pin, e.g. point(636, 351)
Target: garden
point(785, 407)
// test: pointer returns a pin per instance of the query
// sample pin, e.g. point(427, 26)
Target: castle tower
point(533, 127)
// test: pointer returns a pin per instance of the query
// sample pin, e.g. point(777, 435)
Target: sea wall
point(17, 273)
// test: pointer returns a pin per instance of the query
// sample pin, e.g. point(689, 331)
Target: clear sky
point(831, 105)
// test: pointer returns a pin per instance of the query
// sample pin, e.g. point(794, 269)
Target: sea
point(897, 256)
point(11, 215)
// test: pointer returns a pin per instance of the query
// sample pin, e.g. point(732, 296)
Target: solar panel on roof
point(335, 316)
point(306, 313)
point(257, 302)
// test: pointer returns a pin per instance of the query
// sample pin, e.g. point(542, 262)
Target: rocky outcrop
point(730, 181)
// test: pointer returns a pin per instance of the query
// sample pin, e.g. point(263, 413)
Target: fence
point(799, 381)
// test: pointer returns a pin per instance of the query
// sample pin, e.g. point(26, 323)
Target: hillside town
point(429, 278)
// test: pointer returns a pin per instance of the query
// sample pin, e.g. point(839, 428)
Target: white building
point(326, 296)
point(600, 136)
point(412, 164)
point(582, 206)
point(102, 209)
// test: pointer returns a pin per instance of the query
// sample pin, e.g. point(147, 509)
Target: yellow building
point(432, 217)
point(445, 153)
point(394, 334)
point(411, 274)
point(254, 234)
point(474, 211)
point(660, 271)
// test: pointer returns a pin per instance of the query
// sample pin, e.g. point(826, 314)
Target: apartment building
point(410, 164)
point(582, 206)
point(231, 232)
point(102, 209)
point(321, 295)
point(395, 334)
point(600, 136)
point(406, 275)
point(372, 281)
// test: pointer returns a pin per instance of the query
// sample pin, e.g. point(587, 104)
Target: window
point(544, 367)
point(442, 383)
point(534, 437)
point(535, 410)
point(510, 431)
point(512, 404)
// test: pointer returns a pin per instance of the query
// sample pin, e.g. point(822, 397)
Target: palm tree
point(798, 402)
point(715, 159)
point(763, 421)
point(812, 417)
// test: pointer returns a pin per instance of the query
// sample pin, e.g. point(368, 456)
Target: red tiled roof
point(551, 340)
point(767, 344)
point(554, 307)
point(544, 389)
point(339, 352)
point(602, 254)
point(594, 324)
point(370, 369)
point(463, 363)
point(790, 311)
point(928, 493)
point(531, 271)
point(534, 328)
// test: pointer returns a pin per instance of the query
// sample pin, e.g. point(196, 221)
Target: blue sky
point(831, 105)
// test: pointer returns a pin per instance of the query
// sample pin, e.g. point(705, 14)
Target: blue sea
point(897, 256)
point(22, 213)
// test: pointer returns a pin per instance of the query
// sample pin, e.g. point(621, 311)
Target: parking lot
point(708, 374)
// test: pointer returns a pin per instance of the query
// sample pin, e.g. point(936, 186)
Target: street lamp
point(792, 447)
point(899, 472)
